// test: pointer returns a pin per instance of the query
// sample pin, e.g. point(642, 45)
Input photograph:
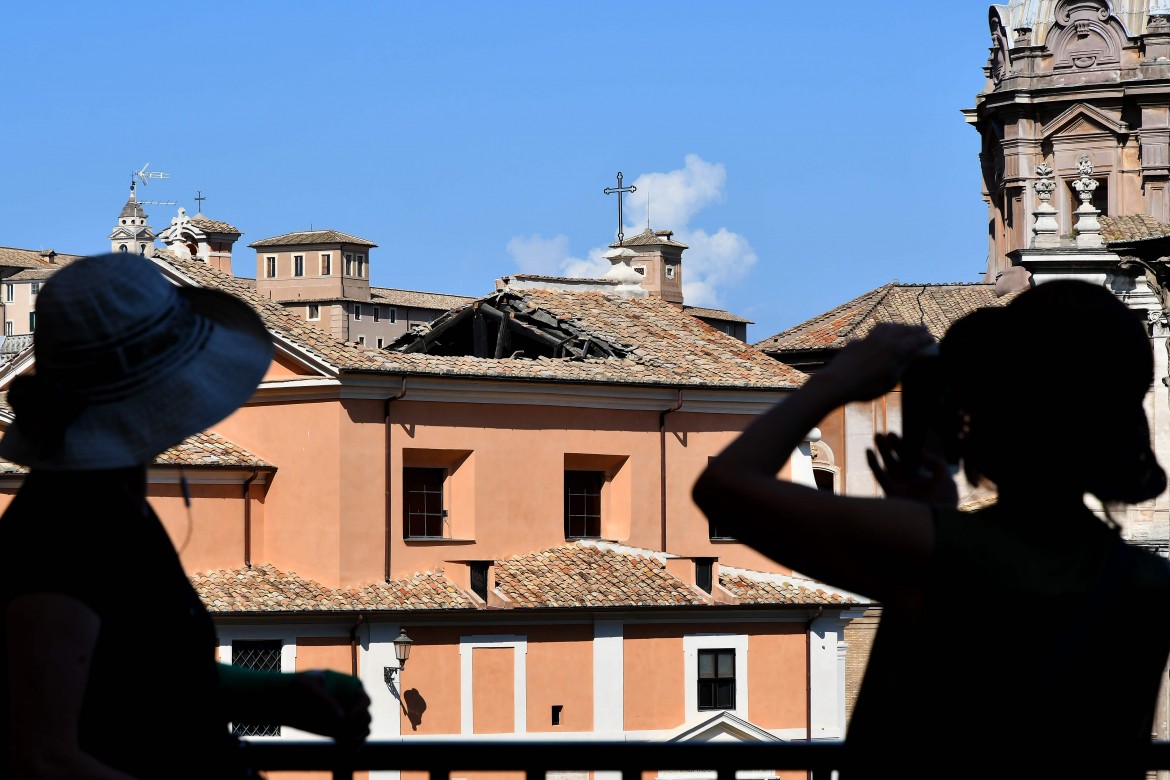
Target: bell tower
point(131, 233)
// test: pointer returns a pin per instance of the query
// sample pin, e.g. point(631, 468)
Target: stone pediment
point(1087, 35)
point(1084, 119)
point(723, 727)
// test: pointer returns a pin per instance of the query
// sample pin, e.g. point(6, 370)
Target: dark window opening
point(422, 494)
point(824, 479)
point(716, 533)
point(716, 679)
point(704, 573)
point(556, 714)
point(259, 655)
point(583, 504)
point(479, 578)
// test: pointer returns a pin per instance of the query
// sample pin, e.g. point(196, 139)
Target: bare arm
point(875, 547)
point(50, 644)
point(318, 701)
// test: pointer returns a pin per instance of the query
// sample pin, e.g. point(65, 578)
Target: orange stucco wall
point(560, 672)
point(429, 684)
point(653, 670)
point(325, 653)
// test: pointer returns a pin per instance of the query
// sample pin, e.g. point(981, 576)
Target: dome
point(1040, 15)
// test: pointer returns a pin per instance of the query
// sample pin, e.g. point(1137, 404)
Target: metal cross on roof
point(620, 190)
point(199, 199)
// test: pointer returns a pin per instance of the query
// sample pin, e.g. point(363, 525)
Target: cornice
point(437, 389)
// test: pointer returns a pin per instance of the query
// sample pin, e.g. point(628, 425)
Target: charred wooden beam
point(503, 339)
point(479, 334)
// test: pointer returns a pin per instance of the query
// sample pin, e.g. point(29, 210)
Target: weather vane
point(620, 190)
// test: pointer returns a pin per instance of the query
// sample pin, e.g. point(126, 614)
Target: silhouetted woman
point(1023, 638)
point(108, 653)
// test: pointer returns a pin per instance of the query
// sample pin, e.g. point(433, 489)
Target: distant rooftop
point(307, 237)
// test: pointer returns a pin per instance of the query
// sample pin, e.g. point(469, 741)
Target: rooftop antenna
point(145, 176)
point(647, 210)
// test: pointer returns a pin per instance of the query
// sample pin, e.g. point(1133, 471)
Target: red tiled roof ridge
point(878, 294)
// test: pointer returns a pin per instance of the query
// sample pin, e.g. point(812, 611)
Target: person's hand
point(871, 367)
point(331, 704)
point(929, 481)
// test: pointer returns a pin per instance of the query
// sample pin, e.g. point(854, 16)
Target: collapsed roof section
point(508, 325)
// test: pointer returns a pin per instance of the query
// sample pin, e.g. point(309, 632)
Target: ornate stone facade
point(1065, 80)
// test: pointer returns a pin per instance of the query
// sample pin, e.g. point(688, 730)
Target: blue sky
point(808, 153)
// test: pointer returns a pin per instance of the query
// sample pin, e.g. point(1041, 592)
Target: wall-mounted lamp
point(402, 647)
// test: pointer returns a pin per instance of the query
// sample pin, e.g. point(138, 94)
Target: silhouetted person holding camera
point(1021, 639)
point(109, 655)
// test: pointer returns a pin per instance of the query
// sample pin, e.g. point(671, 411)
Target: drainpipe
point(808, 642)
point(353, 642)
point(389, 471)
point(662, 461)
point(248, 520)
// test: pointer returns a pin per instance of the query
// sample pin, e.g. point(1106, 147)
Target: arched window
point(122, 248)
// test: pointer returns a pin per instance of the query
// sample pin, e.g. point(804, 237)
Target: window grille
point(258, 655)
point(716, 679)
point(583, 504)
point(422, 491)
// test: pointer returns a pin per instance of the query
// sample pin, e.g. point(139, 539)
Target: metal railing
point(440, 759)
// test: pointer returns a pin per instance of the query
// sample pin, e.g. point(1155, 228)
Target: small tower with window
point(659, 261)
point(131, 233)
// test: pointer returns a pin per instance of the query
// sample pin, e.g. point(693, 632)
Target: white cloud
point(676, 196)
point(713, 262)
point(535, 254)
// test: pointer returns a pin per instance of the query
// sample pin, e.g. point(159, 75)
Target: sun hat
point(129, 364)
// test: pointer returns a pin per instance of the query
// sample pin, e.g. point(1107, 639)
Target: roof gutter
point(390, 472)
point(662, 462)
point(808, 642)
point(248, 519)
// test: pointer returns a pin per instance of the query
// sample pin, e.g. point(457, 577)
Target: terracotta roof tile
point(208, 448)
point(213, 225)
point(417, 300)
point(305, 237)
point(937, 306)
point(267, 589)
point(650, 237)
point(33, 258)
point(659, 344)
point(576, 575)
point(582, 575)
point(752, 587)
point(715, 314)
point(1132, 227)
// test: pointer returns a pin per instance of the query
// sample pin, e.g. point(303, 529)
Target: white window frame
point(298, 265)
point(692, 644)
point(361, 340)
point(670, 272)
point(392, 315)
point(9, 328)
point(348, 269)
point(377, 314)
point(326, 264)
point(357, 311)
point(35, 289)
point(381, 343)
point(361, 266)
point(9, 292)
point(270, 267)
